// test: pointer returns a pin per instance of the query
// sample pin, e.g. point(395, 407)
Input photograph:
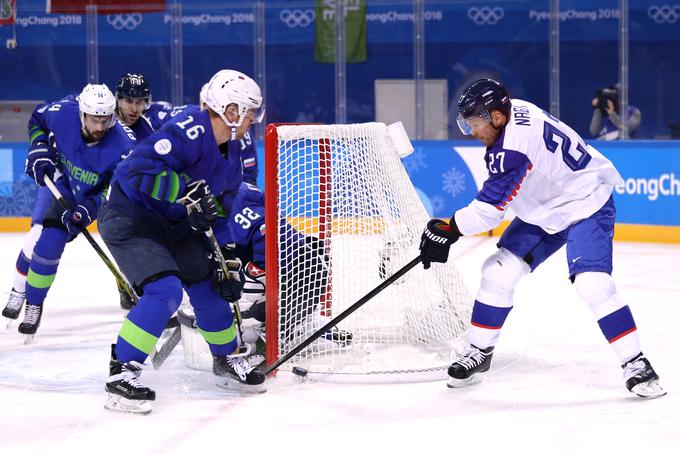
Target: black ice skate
point(466, 370)
point(641, 379)
point(14, 304)
point(240, 374)
point(32, 316)
point(124, 391)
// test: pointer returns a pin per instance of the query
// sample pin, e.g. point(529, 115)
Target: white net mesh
point(348, 217)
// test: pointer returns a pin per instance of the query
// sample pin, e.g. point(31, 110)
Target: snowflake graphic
point(453, 182)
point(415, 162)
point(437, 202)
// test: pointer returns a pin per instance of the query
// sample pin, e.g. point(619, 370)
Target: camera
point(607, 94)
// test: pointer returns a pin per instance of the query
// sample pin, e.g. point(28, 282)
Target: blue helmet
point(133, 86)
point(479, 99)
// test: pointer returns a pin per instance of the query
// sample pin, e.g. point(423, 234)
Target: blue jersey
point(248, 158)
point(156, 173)
point(87, 168)
point(248, 226)
point(158, 113)
point(161, 112)
point(142, 128)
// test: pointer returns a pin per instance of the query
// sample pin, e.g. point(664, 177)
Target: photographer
point(606, 121)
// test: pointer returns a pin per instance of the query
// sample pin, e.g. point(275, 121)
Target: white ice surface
point(555, 385)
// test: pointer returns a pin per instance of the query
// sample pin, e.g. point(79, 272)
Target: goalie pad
point(253, 286)
point(197, 353)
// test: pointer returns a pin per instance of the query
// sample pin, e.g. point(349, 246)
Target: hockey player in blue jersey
point(161, 112)
point(561, 191)
point(44, 199)
point(133, 97)
point(77, 144)
point(163, 198)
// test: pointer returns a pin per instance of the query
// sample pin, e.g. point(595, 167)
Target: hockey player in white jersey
point(561, 191)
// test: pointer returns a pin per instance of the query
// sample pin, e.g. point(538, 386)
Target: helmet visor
point(257, 114)
point(466, 125)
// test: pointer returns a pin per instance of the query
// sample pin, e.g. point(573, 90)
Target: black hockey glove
point(436, 240)
point(228, 286)
point(201, 206)
point(41, 161)
point(76, 219)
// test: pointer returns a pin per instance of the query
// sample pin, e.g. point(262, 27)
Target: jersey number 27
point(576, 158)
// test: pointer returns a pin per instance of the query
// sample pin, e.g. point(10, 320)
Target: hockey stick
point(343, 315)
point(225, 272)
point(159, 355)
point(122, 282)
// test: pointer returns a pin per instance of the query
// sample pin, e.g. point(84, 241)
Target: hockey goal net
point(341, 216)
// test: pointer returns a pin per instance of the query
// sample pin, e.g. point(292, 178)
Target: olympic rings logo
point(297, 17)
point(124, 21)
point(664, 14)
point(485, 15)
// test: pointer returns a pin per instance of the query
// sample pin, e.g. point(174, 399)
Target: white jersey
point(545, 170)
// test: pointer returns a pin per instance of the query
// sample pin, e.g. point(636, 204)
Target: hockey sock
point(214, 318)
point(148, 318)
point(613, 315)
point(24, 258)
point(487, 322)
point(44, 264)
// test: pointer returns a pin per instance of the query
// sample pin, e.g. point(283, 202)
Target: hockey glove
point(435, 242)
point(76, 219)
point(201, 206)
point(41, 161)
point(228, 286)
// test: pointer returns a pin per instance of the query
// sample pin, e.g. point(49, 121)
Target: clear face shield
point(466, 125)
point(254, 114)
point(257, 114)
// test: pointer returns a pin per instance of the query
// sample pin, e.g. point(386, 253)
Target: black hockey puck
point(300, 371)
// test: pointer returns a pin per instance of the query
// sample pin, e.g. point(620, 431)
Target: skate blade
point(462, 383)
point(649, 390)
point(29, 338)
point(120, 404)
point(236, 386)
point(9, 324)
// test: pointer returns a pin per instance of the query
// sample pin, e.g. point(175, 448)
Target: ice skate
point(467, 369)
point(641, 379)
point(124, 391)
point(240, 374)
point(14, 304)
point(29, 326)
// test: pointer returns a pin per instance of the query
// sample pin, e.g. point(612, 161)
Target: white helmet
point(201, 96)
point(232, 87)
point(96, 100)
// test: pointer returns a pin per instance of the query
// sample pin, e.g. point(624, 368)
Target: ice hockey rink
point(555, 386)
